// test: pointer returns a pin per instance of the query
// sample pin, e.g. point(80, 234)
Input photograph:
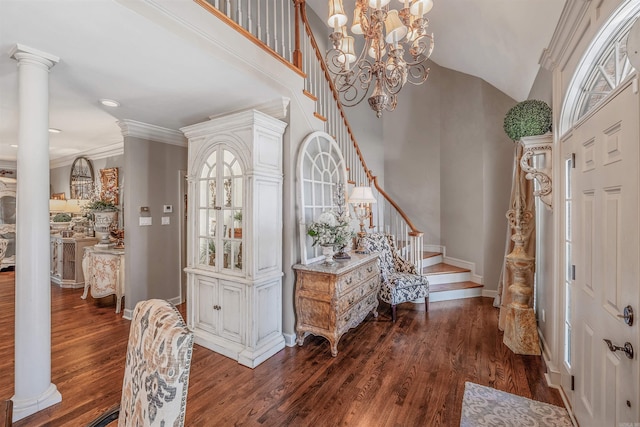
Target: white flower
point(328, 218)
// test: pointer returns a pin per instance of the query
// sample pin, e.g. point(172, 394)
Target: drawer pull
point(346, 319)
point(349, 280)
point(216, 307)
point(351, 299)
point(369, 269)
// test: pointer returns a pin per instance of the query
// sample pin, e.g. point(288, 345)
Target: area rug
point(486, 406)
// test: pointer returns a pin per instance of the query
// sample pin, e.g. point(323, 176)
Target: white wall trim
point(175, 300)
point(127, 314)
point(475, 278)
point(276, 108)
point(289, 340)
point(566, 30)
point(489, 293)
point(435, 248)
point(152, 133)
point(111, 150)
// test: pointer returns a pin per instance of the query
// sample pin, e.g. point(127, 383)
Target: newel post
point(297, 52)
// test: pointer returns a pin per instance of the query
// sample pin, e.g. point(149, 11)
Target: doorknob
point(627, 349)
point(628, 315)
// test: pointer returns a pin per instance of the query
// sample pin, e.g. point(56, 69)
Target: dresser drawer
point(355, 295)
point(356, 277)
point(357, 313)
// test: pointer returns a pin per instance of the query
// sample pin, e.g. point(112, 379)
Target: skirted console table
point(104, 273)
point(331, 299)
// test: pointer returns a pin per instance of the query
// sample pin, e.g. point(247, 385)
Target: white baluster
point(268, 36)
point(259, 35)
point(228, 9)
point(239, 13)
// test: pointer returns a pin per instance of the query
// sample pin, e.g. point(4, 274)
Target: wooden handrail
point(414, 231)
point(296, 66)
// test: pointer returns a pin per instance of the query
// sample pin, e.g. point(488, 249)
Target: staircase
point(447, 281)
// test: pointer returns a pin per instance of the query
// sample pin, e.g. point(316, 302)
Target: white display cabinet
point(234, 236)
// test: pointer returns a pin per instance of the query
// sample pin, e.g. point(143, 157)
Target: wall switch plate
point(167, 208)
point(145, 220)
point(166, 220)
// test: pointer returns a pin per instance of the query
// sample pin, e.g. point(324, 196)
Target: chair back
point(4, 243)
point(156, 376)
point(379, 243)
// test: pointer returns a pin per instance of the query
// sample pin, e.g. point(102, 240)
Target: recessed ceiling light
point(14, 146)
point(109, 103)
point(54, 130)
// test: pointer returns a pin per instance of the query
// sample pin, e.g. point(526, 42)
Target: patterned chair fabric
point(102, 273)
point(399, 279)
point(156, 376)
point(4, 243)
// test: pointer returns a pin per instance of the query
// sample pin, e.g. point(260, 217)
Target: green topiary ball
point(528, 118)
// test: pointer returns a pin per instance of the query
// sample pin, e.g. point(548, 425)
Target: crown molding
point(111, 150)
point(131, 128)
point(569, 25)
point(276, 108)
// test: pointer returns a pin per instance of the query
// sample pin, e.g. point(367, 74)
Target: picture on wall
point(109, 185)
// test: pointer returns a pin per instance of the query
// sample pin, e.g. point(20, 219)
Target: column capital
point(21, 53)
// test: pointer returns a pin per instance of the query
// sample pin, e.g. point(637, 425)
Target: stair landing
point(446, 281)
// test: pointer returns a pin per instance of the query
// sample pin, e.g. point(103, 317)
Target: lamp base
point(361, 249)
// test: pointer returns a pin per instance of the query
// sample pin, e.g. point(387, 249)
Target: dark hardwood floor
point(410, 373)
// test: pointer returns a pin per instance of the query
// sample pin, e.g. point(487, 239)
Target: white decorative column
point(33, 388)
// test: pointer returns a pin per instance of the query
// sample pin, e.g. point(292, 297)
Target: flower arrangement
point(527, 118)
point(99, 203)
point(330, 229)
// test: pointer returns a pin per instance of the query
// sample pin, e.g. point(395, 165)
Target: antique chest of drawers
point(330, 300)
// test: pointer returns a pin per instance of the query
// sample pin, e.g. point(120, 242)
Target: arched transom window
point(603, 68)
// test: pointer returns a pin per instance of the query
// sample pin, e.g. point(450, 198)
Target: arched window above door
point(603, 68)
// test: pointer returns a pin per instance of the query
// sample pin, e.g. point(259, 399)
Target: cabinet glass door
point(220, 212)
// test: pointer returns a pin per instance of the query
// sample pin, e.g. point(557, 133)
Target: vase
point(105, 221)
point(327, 251)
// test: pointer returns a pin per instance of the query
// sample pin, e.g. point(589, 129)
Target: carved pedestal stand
point(520, 331)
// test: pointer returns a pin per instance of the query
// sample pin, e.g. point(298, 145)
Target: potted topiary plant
point(60, 221)
point(527, 118)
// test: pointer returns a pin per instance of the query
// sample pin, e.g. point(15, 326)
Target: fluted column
point(34, 390)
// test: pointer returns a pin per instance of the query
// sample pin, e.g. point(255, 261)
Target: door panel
point(605, 229)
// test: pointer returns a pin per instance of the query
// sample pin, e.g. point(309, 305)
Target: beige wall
point(448, 165)
point(152, 252)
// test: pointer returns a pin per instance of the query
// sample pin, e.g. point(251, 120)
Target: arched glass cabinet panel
point(81, 179)
point(220, 211)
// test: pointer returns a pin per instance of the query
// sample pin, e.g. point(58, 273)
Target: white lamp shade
point(420, 7)
point(376, 4)
point(57, 205)
point(356, 28)
point(374, 47)
point(75, 205)
point(362, 195)
point(348, 49)
point(337, 17)
point(394, 27)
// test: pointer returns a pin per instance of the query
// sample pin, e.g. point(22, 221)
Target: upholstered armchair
point(156, 375)
point(4, 243)
point(399, 279)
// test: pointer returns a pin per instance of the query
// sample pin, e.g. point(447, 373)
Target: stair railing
point(275, 26)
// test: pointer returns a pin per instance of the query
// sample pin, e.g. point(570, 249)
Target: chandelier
point(383, 64)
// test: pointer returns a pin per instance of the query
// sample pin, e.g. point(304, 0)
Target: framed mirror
point(81, 179)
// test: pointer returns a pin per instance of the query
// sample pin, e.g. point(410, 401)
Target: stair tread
point(427, 254)
point(443, 268)
point(454, 286)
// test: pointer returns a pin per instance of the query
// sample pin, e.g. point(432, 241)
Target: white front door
point(604, 238)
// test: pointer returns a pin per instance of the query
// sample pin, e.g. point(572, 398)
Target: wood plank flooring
point(410, 373)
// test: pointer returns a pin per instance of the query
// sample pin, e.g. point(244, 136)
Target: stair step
point(457, 290)
point(431, 258)
point(446, 273)
point(443, 268)
point(443, 287)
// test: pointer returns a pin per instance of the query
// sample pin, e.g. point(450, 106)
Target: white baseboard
point(489, 293)
point(465, 264)
point(434, 248)
point(289, 340)
point(127, 314)
point(175, 300)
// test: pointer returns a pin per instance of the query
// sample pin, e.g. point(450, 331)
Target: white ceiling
point(108, 50)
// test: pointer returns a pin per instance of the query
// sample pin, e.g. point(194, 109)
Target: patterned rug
point(486, 406)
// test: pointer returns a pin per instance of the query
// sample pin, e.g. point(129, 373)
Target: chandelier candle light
point(381, 64)
point(361, 199)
